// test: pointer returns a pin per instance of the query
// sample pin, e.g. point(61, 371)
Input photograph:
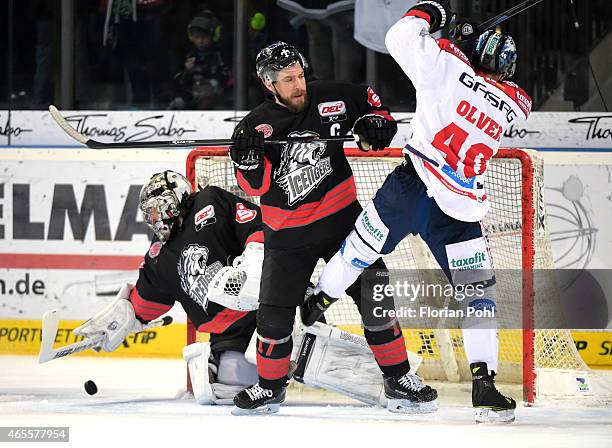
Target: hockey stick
point(94, 144)
point(494, 21)
point(50, 323)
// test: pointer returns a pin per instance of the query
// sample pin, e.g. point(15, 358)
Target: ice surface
point(137, 404)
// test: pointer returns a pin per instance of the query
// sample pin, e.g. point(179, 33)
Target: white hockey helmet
point(161, 201)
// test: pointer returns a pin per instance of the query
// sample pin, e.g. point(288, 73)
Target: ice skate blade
point(403, 406)
point(487, 415)
point(262, 410)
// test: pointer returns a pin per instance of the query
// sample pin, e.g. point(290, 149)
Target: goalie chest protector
point(214, 232)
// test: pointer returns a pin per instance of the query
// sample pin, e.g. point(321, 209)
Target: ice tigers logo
point(195, 275)
point(302, 169)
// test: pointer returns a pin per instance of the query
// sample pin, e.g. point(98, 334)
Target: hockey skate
point(314, 307)
point(489, 404)
point(256, 400)
point(408, 394)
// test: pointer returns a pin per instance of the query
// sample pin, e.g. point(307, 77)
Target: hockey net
point(519, 242)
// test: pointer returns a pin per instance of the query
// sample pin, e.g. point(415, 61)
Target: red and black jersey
point(307, 188)
point(215, 231)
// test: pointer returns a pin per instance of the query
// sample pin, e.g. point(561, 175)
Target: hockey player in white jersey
point(464, 103)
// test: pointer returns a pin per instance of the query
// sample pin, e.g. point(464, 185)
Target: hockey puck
point(90, 387)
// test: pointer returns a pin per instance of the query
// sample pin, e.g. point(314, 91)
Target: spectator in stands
point(135, 30)
point(325, 19)
point(205, 76)
point(45, 14)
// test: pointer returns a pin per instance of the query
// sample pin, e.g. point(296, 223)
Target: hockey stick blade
point(50, 323)
point(494, 21)
point(94, 144)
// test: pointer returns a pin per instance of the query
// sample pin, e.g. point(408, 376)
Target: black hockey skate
point(314, 307)
point(409, 395)
point(489, 404)
point(257, 400)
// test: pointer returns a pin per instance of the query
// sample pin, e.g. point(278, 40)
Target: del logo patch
point(332, 108)
point(155, 249)
point(244, 214)
point(205, 217)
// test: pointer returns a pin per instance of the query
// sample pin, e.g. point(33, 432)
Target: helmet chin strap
point(277, 96)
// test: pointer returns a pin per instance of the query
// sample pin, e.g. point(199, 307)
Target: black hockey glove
point(439, 12)
point(374, 131)
point(247, 152)
point(465, 35)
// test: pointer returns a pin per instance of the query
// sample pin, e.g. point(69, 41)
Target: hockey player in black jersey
point(203, 242)
point(309, 205)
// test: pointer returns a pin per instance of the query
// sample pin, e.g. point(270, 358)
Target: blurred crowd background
point(199, 55)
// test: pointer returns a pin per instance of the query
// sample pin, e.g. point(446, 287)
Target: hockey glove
point(247, 152)
point(374, 131)
point(465, 35)
point(438, 11)
point(115, 321)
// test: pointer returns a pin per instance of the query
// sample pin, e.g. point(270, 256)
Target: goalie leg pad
point(217, 384)
point(234, 374)
point(234, 369)
point(197, 356)
point(340, 361)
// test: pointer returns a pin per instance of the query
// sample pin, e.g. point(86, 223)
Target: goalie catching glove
point(438, 13)
point(375, 131)
point(237, 287)
point(115, 321)
point(247, 152)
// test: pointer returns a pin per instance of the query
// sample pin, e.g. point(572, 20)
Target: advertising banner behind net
point(37, 128)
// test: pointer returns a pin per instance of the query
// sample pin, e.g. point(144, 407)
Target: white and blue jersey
point(459, 120)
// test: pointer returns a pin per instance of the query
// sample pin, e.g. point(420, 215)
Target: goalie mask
point(495, 52)
point(161, 201)
point(276, 57)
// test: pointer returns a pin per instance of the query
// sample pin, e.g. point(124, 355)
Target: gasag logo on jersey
point(465, 182)
point(265, 129)
point(195, 275)
point(244, 214)
point(302, 169)
point(205, 217)
point(470, 82)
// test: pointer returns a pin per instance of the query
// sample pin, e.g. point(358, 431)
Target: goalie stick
point(94, 144)
point(50, 323)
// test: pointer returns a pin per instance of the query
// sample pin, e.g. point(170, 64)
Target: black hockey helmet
point(495, 52)
point(276, 57)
